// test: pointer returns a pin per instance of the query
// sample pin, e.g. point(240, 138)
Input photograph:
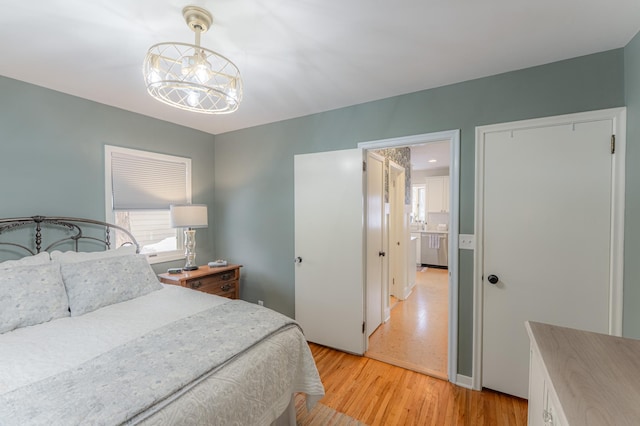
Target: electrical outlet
point(260, 302)
point(466, 241)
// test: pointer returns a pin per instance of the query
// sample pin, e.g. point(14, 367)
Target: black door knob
point(381, 253)
point(493, 279)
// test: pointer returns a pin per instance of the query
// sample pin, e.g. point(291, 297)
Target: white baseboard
point(408, 290)
point(464, 381)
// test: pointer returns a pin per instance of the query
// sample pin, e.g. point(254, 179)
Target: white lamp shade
point(188, 216)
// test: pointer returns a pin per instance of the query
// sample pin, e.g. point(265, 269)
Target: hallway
point(415, 337)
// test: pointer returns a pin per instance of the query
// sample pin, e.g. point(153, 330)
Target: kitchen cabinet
point(437, 194)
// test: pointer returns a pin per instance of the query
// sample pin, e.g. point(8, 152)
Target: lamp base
point(189, 268)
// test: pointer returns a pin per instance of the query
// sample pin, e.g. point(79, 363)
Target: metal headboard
point(69, 225)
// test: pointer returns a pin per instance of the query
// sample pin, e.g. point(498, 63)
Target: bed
point(93, 338)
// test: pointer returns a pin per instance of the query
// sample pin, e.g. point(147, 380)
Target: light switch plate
point(466, 241)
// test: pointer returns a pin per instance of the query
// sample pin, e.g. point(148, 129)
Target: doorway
point(410, 285)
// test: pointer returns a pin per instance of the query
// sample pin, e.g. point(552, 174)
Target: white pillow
point(74, 257)
point(95, 283)
point(38, 259)
point(30, 295)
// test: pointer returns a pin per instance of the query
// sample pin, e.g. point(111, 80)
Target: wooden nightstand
point(222, 281)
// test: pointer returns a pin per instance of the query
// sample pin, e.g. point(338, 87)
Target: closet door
point(547, 237)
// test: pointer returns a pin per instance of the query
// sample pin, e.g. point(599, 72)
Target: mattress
point(251, 386)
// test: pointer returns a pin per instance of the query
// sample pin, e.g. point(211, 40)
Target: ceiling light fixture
point(191, 77)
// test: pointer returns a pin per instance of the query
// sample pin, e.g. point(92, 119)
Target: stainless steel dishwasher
point(434, 249)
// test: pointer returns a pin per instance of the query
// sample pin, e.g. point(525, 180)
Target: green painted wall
point(52, 154)
point(631, 319)
point(52, 161)
point(254, 167)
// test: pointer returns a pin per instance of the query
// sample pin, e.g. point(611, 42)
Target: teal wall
point(52, 154)
point(254, 167)
point(631, 321)
point(52, 161)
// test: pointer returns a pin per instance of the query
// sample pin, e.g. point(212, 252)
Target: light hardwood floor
point(377, 393)
point(415, 337)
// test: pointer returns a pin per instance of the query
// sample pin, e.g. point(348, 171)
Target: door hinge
point(363, 323)
point(364, 166)
point(613, 144)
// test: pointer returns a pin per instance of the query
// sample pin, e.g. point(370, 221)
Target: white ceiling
point(430, 156)
point(300, 57)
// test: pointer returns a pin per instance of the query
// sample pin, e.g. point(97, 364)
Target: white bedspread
point(238, 393)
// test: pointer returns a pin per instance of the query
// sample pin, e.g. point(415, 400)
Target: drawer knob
point(225, 277)
point(196, 284)
point(225, 287)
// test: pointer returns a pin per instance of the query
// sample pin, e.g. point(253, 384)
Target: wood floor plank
point(376, 393)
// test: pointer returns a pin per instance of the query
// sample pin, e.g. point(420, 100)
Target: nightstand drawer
point(211, 280)
point(225, 289)
point(220, 277)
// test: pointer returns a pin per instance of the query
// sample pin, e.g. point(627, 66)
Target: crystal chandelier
point(190, 77)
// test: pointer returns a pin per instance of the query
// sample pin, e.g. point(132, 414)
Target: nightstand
point(222, 281)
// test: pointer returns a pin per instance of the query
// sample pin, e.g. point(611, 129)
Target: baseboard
point(464, 381)
point(408, 290)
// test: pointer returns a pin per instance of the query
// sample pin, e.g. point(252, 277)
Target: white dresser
point(582, 378)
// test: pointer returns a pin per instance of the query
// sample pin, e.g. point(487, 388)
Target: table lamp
point(189, 216)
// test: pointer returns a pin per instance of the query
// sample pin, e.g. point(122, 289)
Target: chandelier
point(191, 77)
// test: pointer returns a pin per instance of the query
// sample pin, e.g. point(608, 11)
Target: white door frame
point(454, 208)
point(619, 117)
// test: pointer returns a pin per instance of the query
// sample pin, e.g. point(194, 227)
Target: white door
point(398, 236)
point(375, 244)
point(547, 234)
point(329, 248)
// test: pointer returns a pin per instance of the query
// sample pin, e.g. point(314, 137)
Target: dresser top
point(202, 271)
point(596, 377)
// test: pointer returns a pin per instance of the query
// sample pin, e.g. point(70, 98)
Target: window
point(418, 202)
point(139, 188)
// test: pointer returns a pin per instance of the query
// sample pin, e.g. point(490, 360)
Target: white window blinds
point(141, 180)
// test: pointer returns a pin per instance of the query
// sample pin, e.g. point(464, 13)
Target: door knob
point(297, 260)
point(381, 253)
point(493, 279)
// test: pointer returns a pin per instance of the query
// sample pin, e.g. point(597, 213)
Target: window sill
point(164, 257)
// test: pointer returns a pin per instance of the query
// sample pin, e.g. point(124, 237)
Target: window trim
point(109, 212)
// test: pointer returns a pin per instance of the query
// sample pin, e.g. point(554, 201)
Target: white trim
point(407, 291)
point(454, 253)
point(617, 221)
point(618, 116)
point(453, 136)
point(464, 381)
